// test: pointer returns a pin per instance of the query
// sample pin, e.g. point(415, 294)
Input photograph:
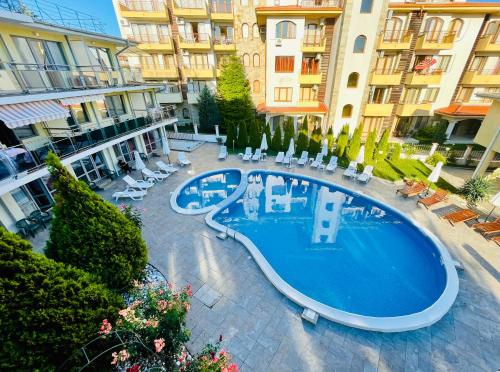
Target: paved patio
point(263, 329)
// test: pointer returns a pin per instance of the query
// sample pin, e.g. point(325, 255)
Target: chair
point(463, 215)
point(318, 161)
point(222, 153)
point(41, 217)
point(138, 184)
point(439, 196)
point(366, 175)
point(155, 175)
point(487, 228)
point(280, 157)
point(288, 158)
point(258, 155)
point(352, 170)
point(304, 157)
point(28, 227)
point(182, 160)
point(412, 189)
point(332, 164)
point(247, 156)
point(167, 168)
point(130, 193)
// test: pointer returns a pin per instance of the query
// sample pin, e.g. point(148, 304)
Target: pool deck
point(264, 330)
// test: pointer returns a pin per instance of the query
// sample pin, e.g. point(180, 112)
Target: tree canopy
point(208, 111)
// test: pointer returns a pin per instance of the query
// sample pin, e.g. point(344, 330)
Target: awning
point(20, 114)
point(464, 110)
point(81, 99)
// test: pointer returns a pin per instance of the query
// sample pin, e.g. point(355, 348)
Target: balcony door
point(90, 168)
point(198, 60)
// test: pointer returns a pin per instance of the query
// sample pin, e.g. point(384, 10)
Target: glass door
point(24, 200)
point(40, 194)
point(90, 168)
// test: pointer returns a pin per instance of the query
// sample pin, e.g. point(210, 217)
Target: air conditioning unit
point(390, 13)
point(278, 42)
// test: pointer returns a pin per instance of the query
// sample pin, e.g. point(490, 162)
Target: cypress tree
point(208, 112)
point(315, 142)
point(370, 147)
point(91, 233)
point(303, 139)
point(255, 136)
point(276, 142)
point(382, 146)
point(242, 135)
point(288, 133)
point(342, 141)
point(331, 139)
point(355, 144)
point(230, 134)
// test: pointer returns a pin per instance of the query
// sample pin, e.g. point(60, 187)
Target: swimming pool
point(350, 258)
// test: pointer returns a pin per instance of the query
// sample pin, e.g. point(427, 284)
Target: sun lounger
point(318, 161)
point(487, 228)
point(223, 153)
point(412, 189)
point(181, 158)
point(462, 215)
point(438, 197)
point(280, 157)
point(167, 168)
point(258, 155)
point(304, 157)
point(352, 170)
point(137, 184)
point(287, 160)
point(130, 193)
point(155, 175)
point(366, 175)
point(332, 164)
point(496, 239)
point(247, 156)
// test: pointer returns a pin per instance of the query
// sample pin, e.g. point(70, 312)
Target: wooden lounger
point(439, 196)
point(488, 227)
point(496, 239)
point(412, 190)
point(462, 215)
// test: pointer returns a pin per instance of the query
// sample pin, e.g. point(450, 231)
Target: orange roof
point(295, 7)
point(320, 109)
point(461, 7)
point(463, 110)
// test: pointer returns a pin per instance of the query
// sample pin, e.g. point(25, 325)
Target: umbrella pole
point(489, 214)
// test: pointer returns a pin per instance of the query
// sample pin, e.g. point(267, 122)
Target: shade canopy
point(164, 146)
point(361, 155)
point(324, 149)
point(263, 143)
point(434, 176)
point(139, 164)
point(291, 147)
point(20, 114)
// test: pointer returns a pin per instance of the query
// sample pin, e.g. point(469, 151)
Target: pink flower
point(135, 304)
point(232, 368)
point(159, 344)
point(186, 305)
point(189, 290)
point(170, 286)
point(123, 313)
point(161, 291)
point(124, 355)
point(105, 327)
point(162, 305)
point(115, 358)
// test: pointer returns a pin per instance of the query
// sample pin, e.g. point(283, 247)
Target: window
point(366, 6)
point(101, 107)
point(393, 29)
point(455, 28)
point(352, 81)
point(79, 112)
point(420, 95)
point(493, 30)
point(256, 60)
point(359, 44)
point(347, 111)
point(255, 31)
point(244, 31)
point(379, 95)
point(284, 63)
point(282, 94)
point(285, 30)
point(115, 105)
point(256, 87)
point(198, 60)
point(310, 66)
point(432, 29)
point(246, 60)
point(185, 113)
point(308, 93)
point(372, 123)
point(465, 94)
point(100, 57)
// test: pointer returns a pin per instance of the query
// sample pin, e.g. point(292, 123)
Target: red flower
point(134, 368)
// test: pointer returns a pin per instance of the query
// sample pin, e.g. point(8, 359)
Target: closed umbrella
point(360, 159)
point(165, 148)
point(324, 149)
point(263, 143)
point(291, 147)
point(434, 176)
point(139, 164)
point(496, 203)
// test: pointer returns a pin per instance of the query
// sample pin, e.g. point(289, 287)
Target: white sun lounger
point(366, 175)
point(248, 154)
point(258, 155)
point(156, 175)
point(304, 157)
point(318, 161)
point(222, 153)
point(130, 193)
point(280, 157)
point(288, 158)
point(181, 158)
point(352, 170)
point(332, 164)
point(138, 184)
point(167, 168)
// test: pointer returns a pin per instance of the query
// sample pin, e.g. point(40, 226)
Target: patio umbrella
point(434, 176)
point(263, 143)
point(291, 147)
point(360, 159)
point(139, 164)
point(496, 203)
point(324, 149)
point(165, 148)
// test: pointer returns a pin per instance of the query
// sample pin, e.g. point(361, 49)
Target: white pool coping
point(424, 318)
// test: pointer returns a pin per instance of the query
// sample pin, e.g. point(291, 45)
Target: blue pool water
point(208, 190)
point(338, 247)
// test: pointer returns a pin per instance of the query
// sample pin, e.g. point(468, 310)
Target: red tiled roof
point(320, 109)
point(464, 110)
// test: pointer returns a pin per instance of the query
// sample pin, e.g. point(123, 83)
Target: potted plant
point(475, 190)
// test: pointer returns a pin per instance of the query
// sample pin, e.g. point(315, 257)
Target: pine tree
point(383, 146)
point(255, 135)
point(208, 111)
point(91, 233)
point(331, 139)
point(288, 135)
point(370, 147)
point(230, 134)
point(242, 141)
point(315, 142)
point(355, 144)
point(303, 139)
point(342, 141)
point(276, 142)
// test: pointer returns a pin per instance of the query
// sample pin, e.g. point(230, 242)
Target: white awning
point(20, 114)
point(81, 99)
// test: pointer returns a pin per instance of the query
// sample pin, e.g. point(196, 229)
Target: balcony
point(221, 11)
point(171, 93)
point(159, 72)
point(395, 40)
point(482, 77)
point(414, 109)
point(190, 9)
point(419, 78)
point(224, 44)
point(152, 10)
point(435, 41)
point(307, 8)
point(488, 43)
point(314, 43)
point(310, 76)
point(195, 41)
point(153, 42)
point(386, 77)
point(38, 78)
point(194, 71)
point(378, 109)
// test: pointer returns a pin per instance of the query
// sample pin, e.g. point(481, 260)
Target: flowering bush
point(133, 214)
point(211, 358)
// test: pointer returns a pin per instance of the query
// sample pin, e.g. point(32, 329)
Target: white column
point(487, 157)
point(433, 148)
point(195, 126)
point(175, 128)
point(449, 129)
point(217, 131)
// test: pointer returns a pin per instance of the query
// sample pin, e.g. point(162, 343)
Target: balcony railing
point(223, 40)
point(170, 88)
point(313, 39)
point(20, 159)
point(396, 36)
point(486, 72)
point(190, 4)
point(320, 3)
point(493, 38)
point(439, 37)
point(194, 38)
point(198, 66)
point(221, 7)
point(32, 77)
point(310, 70)
point(142, 6)
point(153, 38)
point(153, 66)
point(386, 71)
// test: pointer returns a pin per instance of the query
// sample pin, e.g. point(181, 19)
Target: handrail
point(438, 36)
point(218, 6)
point(386, 71)
point(194, 37)
point(313, 39)
point(320, 3)
point(150, 38)
point(396, 36)
point(142, 6)
point(190, 4)
point(485, 71)
point(223, 40)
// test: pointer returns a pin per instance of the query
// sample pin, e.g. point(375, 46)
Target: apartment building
point(64, 90)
